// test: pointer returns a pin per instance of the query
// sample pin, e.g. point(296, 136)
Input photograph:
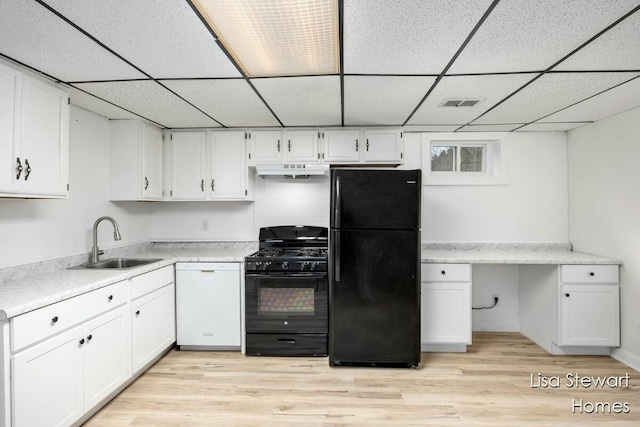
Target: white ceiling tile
point(490, 128)
point(613, 101)
point(382, 100)
point(35, 36)
point(550, 93)
point(431, 128)
point(303, 101)
point(406, 37)
point(549, 127)
point(525, 35)
point(489, 88)
point(98, 106)
point(232, 102)
point(165, 40)
point(150, 100)
point(617, 49)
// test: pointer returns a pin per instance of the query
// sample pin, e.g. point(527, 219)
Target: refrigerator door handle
point(336, 245)
point(337, 205)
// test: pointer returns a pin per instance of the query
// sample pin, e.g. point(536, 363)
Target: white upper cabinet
point(303, 146)
point(265, 146)
point(34, 125)
point(209, 165)
point(136, 161)
point(342, 145)
point(383, 146)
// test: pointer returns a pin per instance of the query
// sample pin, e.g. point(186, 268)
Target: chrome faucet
point(95, 252)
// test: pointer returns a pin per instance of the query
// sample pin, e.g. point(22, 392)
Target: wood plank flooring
point(490, 385)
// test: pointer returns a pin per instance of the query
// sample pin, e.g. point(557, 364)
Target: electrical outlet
point(205, 225)
point(496, 298)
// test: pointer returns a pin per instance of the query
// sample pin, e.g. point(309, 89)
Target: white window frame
point(495, 158)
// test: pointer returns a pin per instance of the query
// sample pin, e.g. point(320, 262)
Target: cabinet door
point(302, 147)
point(265, 146)
point(47, 382)
point(45, 139)
point(446, 313)
point(189, 160)
point(342, 146)
point(10, 102)
point(383, 146)
point(107, 364)
point(153, 326)
point(151, 163)
point(228, 170)
point(590, 315)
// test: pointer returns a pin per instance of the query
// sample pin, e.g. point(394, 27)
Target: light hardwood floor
point(490, 385)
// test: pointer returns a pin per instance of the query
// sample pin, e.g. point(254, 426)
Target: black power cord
point(495, 302)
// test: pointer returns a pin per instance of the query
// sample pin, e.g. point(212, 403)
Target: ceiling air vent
point(460, 102)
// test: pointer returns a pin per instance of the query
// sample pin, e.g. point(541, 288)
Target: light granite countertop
point(28, 293)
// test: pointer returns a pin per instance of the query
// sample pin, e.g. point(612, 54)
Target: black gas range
point(286, 292)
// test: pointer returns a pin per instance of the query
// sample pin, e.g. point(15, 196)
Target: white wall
point(604, 208)
point(36, 230)
point(531, 208)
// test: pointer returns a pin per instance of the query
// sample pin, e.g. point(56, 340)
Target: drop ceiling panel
point(617, 49)
point(432, 128)
point(491, 128)
point(303, 101)
point(525, 35)
point(150, 100)
point(98, 106)
point(232, 102)
point(616, 100)
point(550, 127)
point(382, 100)
point(165, 41)
point(490, 89)
point(33, 35)
point(550, 93)
point(406, 37)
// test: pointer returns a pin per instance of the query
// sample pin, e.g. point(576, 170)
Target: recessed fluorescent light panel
point(276, 37)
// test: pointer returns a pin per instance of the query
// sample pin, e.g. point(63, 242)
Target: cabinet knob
point(89, 338)
point(567, 295)
point(110, 298)
point(137, 312)
point(444, 273)
point(591, 273)
point(81, 341)
point(54, 320)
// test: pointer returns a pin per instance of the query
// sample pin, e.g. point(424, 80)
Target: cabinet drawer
point(36, 325)
point(446, 272)
point(149, 282)
point(590, 274)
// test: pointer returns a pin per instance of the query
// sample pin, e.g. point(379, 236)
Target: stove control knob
point(258, 264)
point(304, 265)
point(313, 266)
point(285, 265)
point(266, 265)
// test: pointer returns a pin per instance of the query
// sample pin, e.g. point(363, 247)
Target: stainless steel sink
point(116, 263)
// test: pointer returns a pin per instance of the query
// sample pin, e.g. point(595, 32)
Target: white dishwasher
point(208, 306)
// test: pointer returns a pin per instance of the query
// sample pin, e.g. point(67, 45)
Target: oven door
point(286, 302)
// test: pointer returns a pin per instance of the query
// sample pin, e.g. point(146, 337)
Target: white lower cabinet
point(153, 315)
point(68, 374)
point(446, 304)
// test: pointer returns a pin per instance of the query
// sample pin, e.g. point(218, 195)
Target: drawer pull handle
point(444, 273)
point(110, 298)
point(54, 320)
point(287, 340)
point(567, 295)
point(137, 312)
point(89, 338)
point(81, 341)
point(591, 273)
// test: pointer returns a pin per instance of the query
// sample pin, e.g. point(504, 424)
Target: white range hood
point(292, 171)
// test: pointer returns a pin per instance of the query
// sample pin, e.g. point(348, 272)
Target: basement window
point(464, 159)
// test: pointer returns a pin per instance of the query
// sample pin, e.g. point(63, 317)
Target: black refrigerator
point(374, 267)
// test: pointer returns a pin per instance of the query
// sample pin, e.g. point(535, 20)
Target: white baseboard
point(443, 348)
point(495, 327)
point(629, 359)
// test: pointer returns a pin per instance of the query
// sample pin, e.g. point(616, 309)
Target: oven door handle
point(319, 275)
